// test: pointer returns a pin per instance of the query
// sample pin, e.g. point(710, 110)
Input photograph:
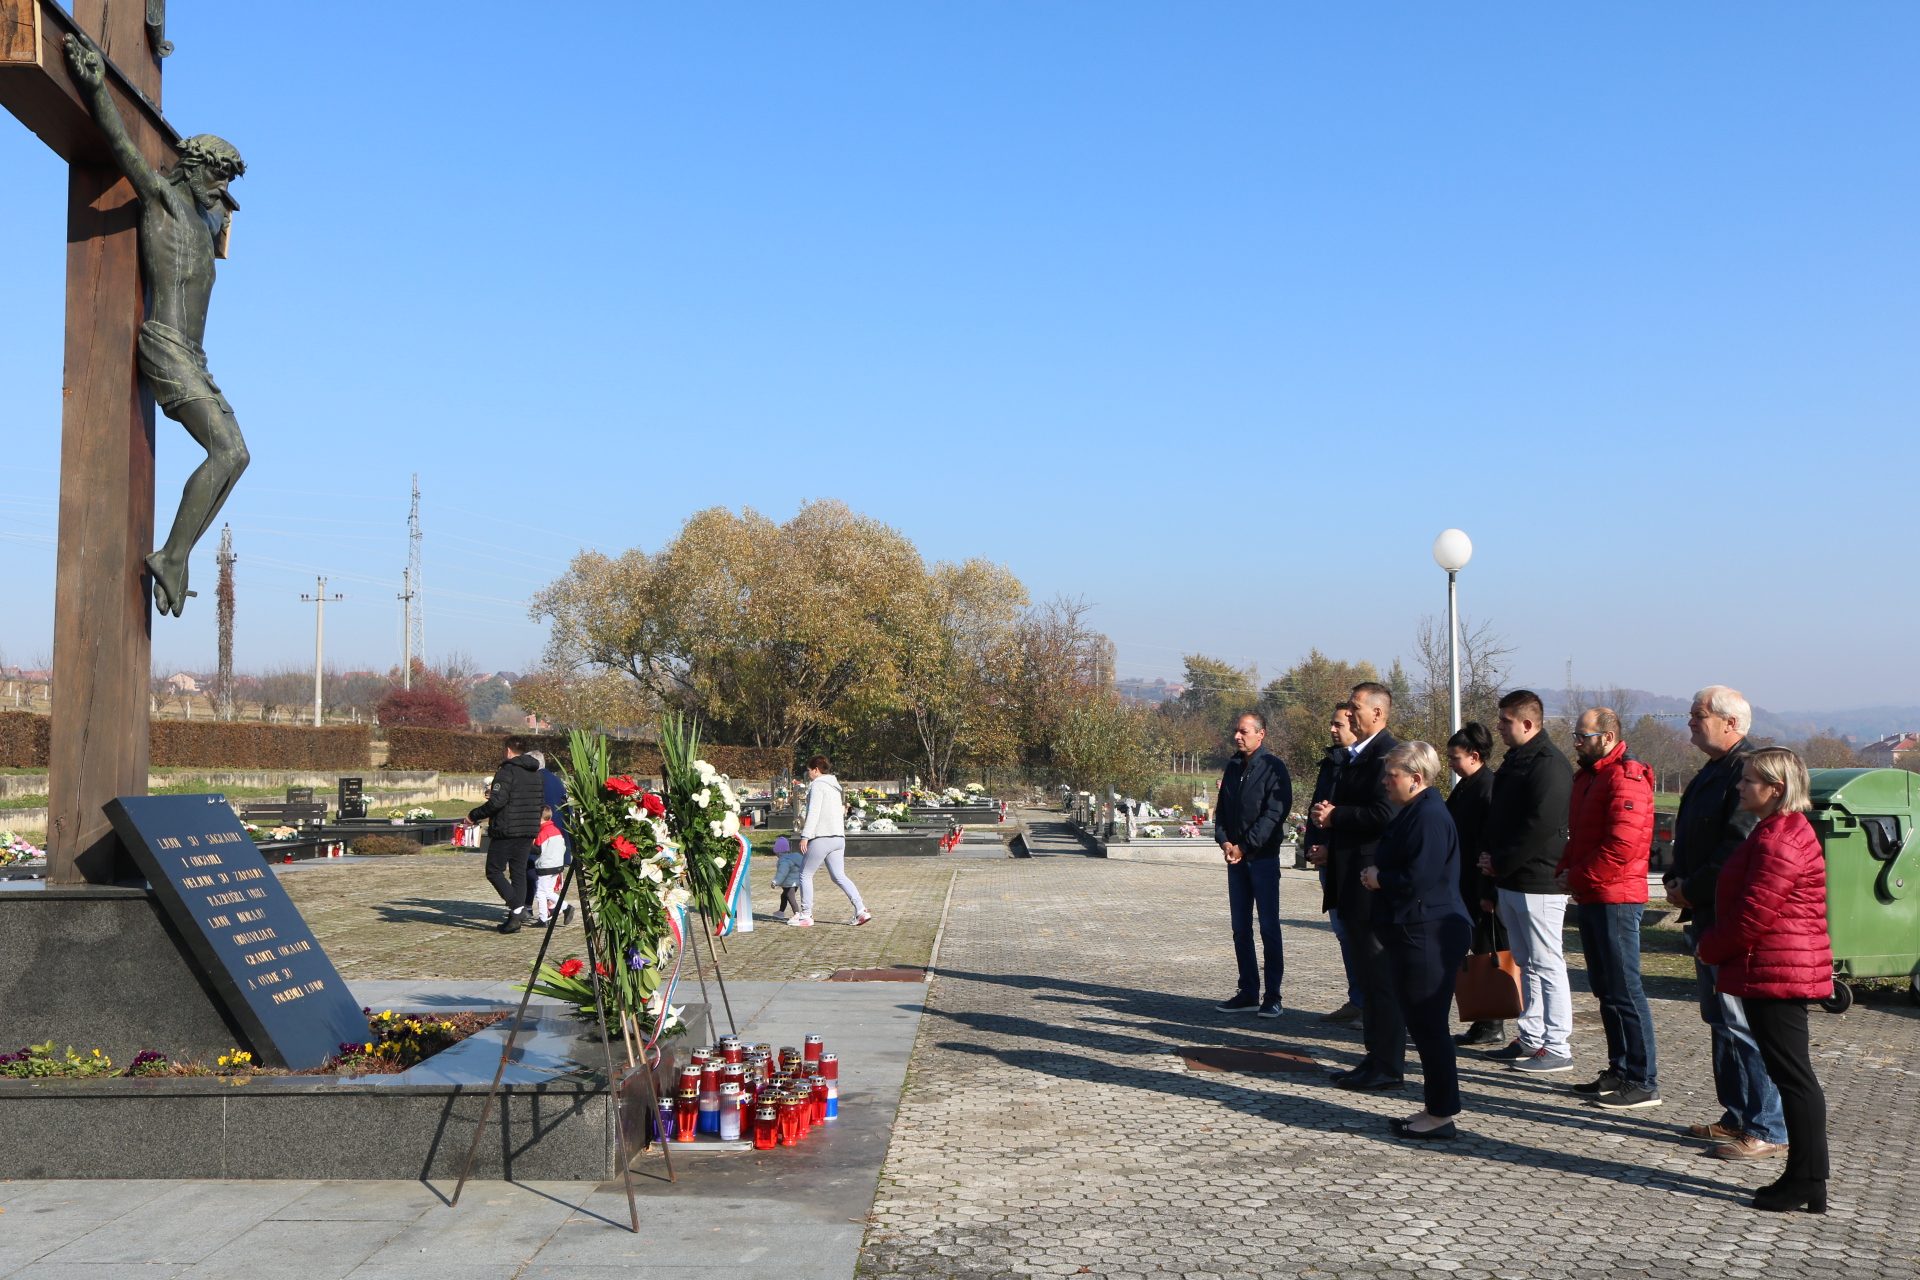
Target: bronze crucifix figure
point(183, 220)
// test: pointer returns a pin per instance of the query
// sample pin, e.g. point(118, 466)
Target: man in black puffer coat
point(512, 815)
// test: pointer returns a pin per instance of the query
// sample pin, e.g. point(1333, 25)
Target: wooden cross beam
point(102, 616)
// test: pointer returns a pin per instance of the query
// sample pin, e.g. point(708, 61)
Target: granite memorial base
point(100, 967)
point(894, 844)
point(552, 1119)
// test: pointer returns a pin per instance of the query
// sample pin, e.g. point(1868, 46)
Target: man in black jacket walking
point(1522, 840)
point(1250, 822)
point(1352, 820)
point(1709, 827)
point(512, 813)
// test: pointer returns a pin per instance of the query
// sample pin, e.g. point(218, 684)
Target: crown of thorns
point(210, 152)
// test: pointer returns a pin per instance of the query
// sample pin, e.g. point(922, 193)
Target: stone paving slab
point(434, 918)
point(1048, 1129)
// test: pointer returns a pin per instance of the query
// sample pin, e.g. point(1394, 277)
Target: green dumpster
point(1865, 819)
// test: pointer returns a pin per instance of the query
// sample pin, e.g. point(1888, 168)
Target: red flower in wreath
point(601, 968)
point(624, 847)
point(653, 804)
point(569, 968)
point(622, 785)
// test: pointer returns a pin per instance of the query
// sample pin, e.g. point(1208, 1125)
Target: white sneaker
point(801, 922)
point(863, 917)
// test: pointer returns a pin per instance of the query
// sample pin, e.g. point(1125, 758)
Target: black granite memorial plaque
point(255, 947)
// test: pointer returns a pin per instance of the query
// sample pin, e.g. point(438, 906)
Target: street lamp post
point(1451, 551)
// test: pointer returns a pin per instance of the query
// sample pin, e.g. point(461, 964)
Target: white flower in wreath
point(882, 826)
point(706, 771)
point(651, 871)
point(1153, 831)
point(726, 828)
point(719, 861)
point(677, 897)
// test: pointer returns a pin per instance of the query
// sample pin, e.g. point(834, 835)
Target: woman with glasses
point(1421, 921)
point(1769, 939)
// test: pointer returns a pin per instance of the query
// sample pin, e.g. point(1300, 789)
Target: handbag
point(1487, 988)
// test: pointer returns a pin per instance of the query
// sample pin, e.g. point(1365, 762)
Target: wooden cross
point(102, 616)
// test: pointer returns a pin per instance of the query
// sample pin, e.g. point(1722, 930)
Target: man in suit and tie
point(1352, 820)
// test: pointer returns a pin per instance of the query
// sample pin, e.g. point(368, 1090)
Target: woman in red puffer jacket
point(1769, 938)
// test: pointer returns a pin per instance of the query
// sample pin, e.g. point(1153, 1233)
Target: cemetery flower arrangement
point(15, 849)
point(975, 789)
point(418, 813)
point(704, 813)
point(277, 833)
point(883, 826)
point(632, 867)
point(1153, 831)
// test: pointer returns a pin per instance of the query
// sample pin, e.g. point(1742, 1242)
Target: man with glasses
point(1524, 836)
point(1604, 870)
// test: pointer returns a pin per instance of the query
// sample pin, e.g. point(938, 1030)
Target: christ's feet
point(169, 584)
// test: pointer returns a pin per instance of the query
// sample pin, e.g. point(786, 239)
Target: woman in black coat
point(1468, 751)
point(1421, 921)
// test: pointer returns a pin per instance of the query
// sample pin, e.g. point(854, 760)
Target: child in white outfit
point(550, 857)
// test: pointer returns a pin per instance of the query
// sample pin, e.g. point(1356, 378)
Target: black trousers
point(1780, 1028)
point(507, 858)
point(1383, 1027)
point(1425, 958)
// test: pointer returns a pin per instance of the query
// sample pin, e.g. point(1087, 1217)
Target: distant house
point(181, 682)
point(1887, 752)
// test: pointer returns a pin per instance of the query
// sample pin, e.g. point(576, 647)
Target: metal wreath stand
point(642, 1055)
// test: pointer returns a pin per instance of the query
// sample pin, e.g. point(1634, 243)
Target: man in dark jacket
point(512, 813)
point(1709, 827)
point(1341, 738)
point(1524, 836)
point(1250, 822)
point(1353, 819)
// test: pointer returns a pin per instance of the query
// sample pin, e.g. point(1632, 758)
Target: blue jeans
point(1346, 951)
point(1751, 1102)
point(1251, 884)
point(1610, 936)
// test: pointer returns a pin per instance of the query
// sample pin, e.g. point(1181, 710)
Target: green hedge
point(206, 744)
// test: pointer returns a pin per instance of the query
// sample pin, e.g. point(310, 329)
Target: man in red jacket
point(1604, 869)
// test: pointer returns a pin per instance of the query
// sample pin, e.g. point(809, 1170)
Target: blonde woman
point(1421, 920)
point(1769, 941)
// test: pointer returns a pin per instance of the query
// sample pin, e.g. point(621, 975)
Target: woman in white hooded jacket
point(823, 839)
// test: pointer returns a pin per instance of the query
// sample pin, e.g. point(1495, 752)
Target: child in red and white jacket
point(549, 859)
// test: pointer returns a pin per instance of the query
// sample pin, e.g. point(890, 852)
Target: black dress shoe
point(1351, 1073)
point(1483, 1033)
point(1372, 1082)
point(1439, 1133)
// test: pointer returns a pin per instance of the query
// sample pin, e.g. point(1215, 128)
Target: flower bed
point(394, 1043)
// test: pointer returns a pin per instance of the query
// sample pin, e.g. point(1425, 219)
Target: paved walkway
point(1048, 1129)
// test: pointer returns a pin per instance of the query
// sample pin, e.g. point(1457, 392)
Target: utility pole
point(223, 680)
point(416, 607)
point(319, 602)
point(406, 628)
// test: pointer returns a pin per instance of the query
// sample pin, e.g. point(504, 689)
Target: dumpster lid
point(1860, 791)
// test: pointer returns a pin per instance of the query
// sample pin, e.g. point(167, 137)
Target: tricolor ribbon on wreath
point(739, 916)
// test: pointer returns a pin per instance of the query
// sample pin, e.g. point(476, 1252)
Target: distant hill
point(1862, 724)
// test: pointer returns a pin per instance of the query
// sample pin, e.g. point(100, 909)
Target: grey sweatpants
point(831, 850)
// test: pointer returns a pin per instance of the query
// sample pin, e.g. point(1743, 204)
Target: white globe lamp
point(1451, 551)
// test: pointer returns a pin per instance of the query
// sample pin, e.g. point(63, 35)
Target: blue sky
point(1214, 315)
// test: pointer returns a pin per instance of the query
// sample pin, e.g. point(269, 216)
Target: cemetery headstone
point(353, 799)
point(243, 930)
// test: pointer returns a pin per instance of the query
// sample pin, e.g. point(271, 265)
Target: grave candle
point(686, 1118)
point(729, 1110)
point(815, 1045)
point(766, 1124)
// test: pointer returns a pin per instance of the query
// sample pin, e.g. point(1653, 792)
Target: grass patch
point(24, 802)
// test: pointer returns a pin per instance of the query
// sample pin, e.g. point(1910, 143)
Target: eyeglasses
point(1579, 736)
